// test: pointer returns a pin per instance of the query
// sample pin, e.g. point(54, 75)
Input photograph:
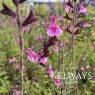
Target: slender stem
point(73, 22)
point(73, 48)
point(22, 49)
point(22, 61)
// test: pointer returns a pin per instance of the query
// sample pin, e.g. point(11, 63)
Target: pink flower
point(39, 37)
point(57, 82)
point(56, 49)
point(12, 60)
point(88, 66)
point(82, 68)
point(67, 8)
point(44, 60)
point(32, 56)
point(82, 9)
point(86, 25)
point(28, 49)
point(18, 93)
point(3, 26)
point(61, 44)
point(17, 66)
point(54, 30)
point(50, 71)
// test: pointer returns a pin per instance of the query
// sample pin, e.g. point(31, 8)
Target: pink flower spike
point(32, 56)
point(54, 30)
point(57, 82)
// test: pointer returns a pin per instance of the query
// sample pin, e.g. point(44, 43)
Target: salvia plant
point(71, 24)
point(53, 32)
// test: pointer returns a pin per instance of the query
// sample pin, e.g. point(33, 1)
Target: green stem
point(21, 48)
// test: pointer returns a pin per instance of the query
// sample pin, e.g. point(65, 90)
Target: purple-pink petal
point(82, 9)
point(32, 56)
point(57, 82)
point(67, 8)
point(54, 30)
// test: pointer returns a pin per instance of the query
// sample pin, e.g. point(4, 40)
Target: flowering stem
point(72, 48)
point(22, 61)
point(22, 49)
point(73, 22)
